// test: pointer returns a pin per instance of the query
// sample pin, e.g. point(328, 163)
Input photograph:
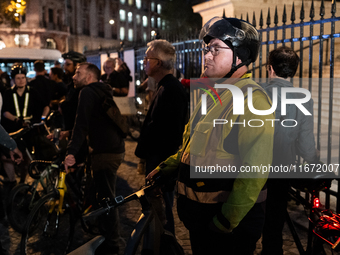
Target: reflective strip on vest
point(211, 197)
point(16, 104)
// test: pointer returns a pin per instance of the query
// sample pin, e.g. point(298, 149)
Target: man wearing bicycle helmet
point(69, 106)
point(224, 213)
point(22, 106)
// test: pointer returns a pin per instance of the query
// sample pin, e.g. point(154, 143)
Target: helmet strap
point(234, 67)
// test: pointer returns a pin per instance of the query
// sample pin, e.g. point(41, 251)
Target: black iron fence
point(316, 42)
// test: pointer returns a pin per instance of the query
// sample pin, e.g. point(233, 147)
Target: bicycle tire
point(18, 205)
point(35, 240)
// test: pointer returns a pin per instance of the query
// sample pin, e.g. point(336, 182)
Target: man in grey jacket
point(288, 143)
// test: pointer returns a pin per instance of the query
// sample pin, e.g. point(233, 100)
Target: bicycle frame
point(149, 226)
point(61, 187)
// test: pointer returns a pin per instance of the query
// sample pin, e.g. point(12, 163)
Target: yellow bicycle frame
point(62, 189)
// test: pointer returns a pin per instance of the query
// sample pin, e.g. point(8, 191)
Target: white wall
point(129, 59)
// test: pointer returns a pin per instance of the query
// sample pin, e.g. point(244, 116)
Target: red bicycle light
point(316, 202)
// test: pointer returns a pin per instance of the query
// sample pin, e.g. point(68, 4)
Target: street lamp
point(111, 21)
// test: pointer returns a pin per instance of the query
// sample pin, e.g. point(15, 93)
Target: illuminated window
point(159, 8)
point(144, 36)
point(152, 22)
point(139, 4)
point(122, 33)
point(145, 21)
point(130, 2)
point(122, 15)
point(122, 1)
point(50, 43)
point(129, 17)
point(130, 34)
point(152, 6)
point(21, 40)
point(2, 45)
point(159, 23)
point(138, 19)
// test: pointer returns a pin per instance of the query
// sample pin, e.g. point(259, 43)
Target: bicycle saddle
point(90, 247)
point(316, 184)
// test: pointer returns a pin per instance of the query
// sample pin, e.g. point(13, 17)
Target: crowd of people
point(223, 215)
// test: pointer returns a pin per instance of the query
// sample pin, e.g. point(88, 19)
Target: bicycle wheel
point(47, 232)
point(19, 205)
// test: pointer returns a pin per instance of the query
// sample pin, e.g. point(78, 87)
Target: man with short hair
point(103, 137)
point(115, 78)
point(40, 83)
point(288, 143)
point(162, 130)
point(224, 215)
point(59, 91)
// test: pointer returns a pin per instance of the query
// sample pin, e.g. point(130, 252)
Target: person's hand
point(152, 174)
point(16, 152)
point(64, 135)
point(215, 229)
point(49, 137)
point(69, 161)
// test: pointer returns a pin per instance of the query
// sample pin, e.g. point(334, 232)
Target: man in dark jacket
point(116, 78)
point(163, 127)
point(40, 83)
point(288, 143)
point(69, 106)
point(108, 146)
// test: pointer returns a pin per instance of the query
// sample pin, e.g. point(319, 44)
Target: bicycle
point(24, 196)
point(148, 235)
point(323, 231)
point(50, 226)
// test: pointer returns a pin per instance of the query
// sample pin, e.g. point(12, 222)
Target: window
point(130, 34)
point(159, 23)
point(144, 36)
point(50, 15)
point(2, 45)
point(122, 1)
point(21, 40)
point(145, 21)
point(122, 15)
point(50, 43)
point(129, 17)
point(139, 4)
point(138, 19)
point(152, 6)
point(130, 2)
point(152, 22)
point(122, 33)
point(159, 8)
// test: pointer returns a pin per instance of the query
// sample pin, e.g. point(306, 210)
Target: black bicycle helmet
point(238, 34)
point(17, 68)
point(76, 57)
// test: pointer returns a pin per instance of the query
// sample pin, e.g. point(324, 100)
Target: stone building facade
point(84, 25)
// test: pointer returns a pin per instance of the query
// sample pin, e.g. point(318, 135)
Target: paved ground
point(129, 181)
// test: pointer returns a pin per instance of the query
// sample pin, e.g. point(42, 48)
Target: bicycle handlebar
point(118, 201)
point(36, 175)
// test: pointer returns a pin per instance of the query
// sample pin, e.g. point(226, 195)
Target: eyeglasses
point(146, 59)
point(214, 49)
